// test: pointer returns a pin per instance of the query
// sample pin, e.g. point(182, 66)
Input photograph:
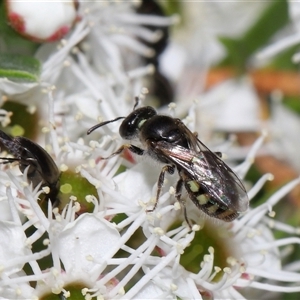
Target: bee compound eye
point(134, 122)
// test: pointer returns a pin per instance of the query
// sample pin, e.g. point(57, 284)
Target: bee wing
point(217, 180)
point(45, 169)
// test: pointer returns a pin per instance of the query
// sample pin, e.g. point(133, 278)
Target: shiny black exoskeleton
point(211, 184)
point(42, 168)
point(159, 85)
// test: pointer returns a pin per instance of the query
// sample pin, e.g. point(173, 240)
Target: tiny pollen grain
point(89, 258)
point(55, 210)
point(84, 291)
point(31, 109)
point(64, 148)
point(18, 291)
point(142, 204)
point(63, 167)
point(28, 243)
point(207, 258)
point(171, 190)
point(264, 252)
point(121, 291)
point(159, 231)
point(144, 90)
point(177, 205)
point(77, 206)
point(46, 189)
point(78, 116)
point(78, 169)
point(272, 214)
point(46, 242)
point(92, 163)
point(89, 198)
point(227, 270)
point(231, 261)
point(242, 269)
point(196, 227)
point(75, 50)
point(45, 129)
point(93, 144)
point(24, 183)
point(158, 215)
point(172, 105)
point(179, 248)
point(66, 63)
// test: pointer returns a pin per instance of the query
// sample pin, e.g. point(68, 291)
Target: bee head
point(133, 123)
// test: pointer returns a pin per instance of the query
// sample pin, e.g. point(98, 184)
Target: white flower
point(120, 249)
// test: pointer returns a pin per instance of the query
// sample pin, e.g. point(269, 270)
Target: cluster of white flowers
point(116, 249)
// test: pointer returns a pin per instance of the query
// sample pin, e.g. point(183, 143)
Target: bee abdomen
point(208, 205)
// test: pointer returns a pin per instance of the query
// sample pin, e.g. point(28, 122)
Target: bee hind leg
point(179, 186)
point(168, 168)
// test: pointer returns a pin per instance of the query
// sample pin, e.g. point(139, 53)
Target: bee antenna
point(102, 124)
point(137, 101)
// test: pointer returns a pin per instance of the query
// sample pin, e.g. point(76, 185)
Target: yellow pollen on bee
point(141, 123)
point(195, 159)
point(194, 186)
point(213, 208)
point(202, 199)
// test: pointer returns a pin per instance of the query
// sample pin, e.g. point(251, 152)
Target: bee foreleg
point(8, 160)
point(182, 202)
point(160, 183)
point(131, 148)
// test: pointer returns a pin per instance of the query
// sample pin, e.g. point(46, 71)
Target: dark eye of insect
point(210, 183)
point(41, 167)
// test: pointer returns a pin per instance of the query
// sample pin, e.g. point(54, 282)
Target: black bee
point(42, 168)
point(211, 184)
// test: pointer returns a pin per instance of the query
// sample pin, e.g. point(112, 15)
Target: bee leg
point(182, 202)
point(170, 170)
point(131, 148)
point(8, 160)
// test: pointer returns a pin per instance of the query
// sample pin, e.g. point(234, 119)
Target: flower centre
point(74, 185)
point(211, 235)
point(23, 121)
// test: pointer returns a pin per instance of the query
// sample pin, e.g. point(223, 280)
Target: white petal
point(236, 108)
point(8, 87)
point(89, 237)
point(12, 245)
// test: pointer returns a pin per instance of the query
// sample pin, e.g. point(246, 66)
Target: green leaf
point(19, 68)
point(271, 20)
point(292, 103)
point(172, 7)
point(283, 60)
